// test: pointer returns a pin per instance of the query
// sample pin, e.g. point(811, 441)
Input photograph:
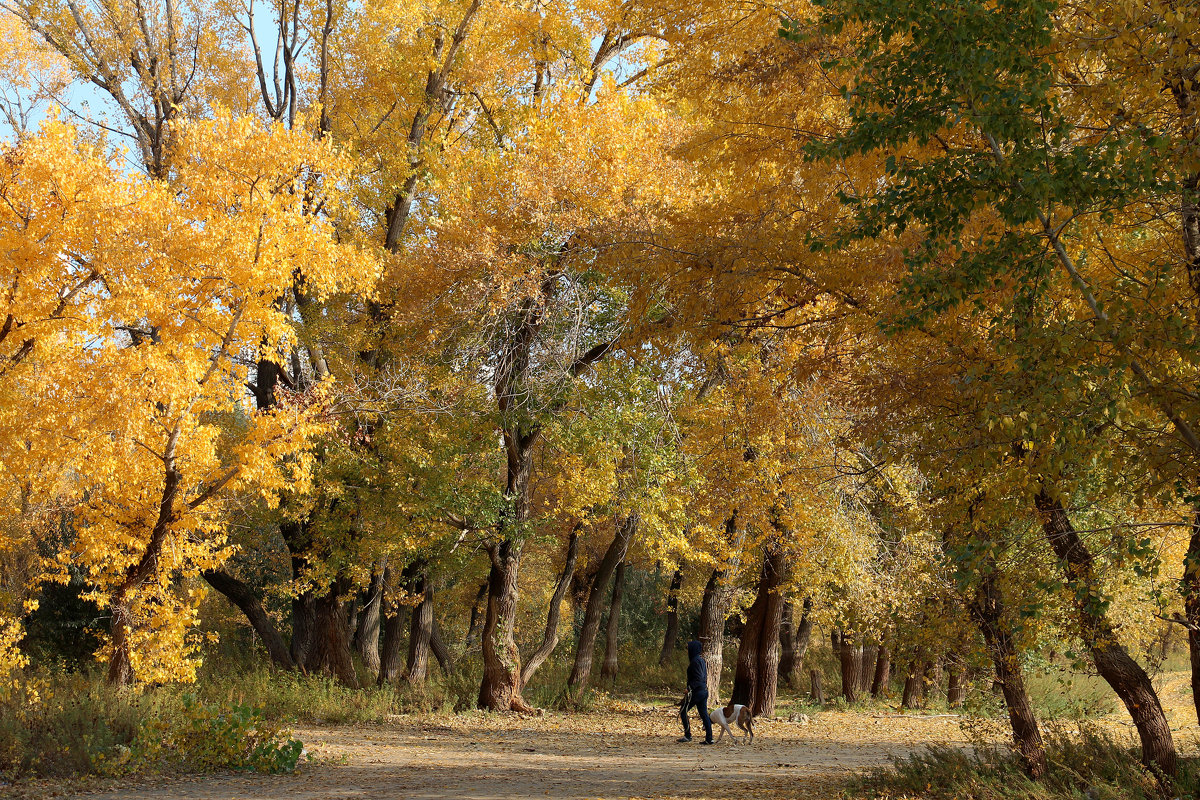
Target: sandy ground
point(620, 755)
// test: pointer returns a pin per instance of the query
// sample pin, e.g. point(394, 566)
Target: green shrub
point(65, 725)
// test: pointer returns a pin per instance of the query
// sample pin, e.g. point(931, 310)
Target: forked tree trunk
point(500, 689)
point(882, 680)
point(245, 598)
point(420, 630)
point(756, 678)
point(987, 610)
point(672, 632)
point(1112, 660)
point(594, 611)
point(554, 613)
point(366, 636)
point(612, 635)
point(714, 608)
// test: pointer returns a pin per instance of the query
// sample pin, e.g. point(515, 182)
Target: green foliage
point(205, 736)
point(1088, 765)
point(72, 724)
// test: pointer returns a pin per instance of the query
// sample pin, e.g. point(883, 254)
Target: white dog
point(731, 714)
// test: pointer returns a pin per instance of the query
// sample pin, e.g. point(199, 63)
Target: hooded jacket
point(697, 671)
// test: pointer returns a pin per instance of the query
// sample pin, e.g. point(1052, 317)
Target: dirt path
point(557, 756)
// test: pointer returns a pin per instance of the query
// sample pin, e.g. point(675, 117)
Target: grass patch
point(66, 725)
point(1083, 765)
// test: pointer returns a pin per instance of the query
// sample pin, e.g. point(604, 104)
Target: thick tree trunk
point(714, 608)
point(420, 630)
point(554, 614)
point(793, 642)
point(244, 598)
point(672, 632)
point(882, 680)
point(850, 656)
point(869, 653)
point(1113, 662)
point(987, 610)
point(756, 678)
point(956, 692)
point(395, 619)
point(594, 611)
point(817, 693)
point(1190, 587)
point(331, 643)
point(500, 689)
point(914, 684)
point(612, 635)
point(366, 635)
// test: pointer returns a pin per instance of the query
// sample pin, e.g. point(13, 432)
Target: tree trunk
point(244, 598)
point(850, 656)
point(441, 652)
point(1190, 586)
point(395, 618)
point(756, 678)
point(366, 636)
point(1113, 662)
point(956, 693)
point(331, 643)
point(714, 608)
point(672, 632)
point(120, 667)
point(594, 611)
point(818, 693)
point(793, 642)
point(987, 609)
point(867, 671)
point(882, 680)
point(420, 629)
point(477, 615)
point(500, 689)
point(914, 684)
point(933, 679)
point(612, 635)
point(554, 614)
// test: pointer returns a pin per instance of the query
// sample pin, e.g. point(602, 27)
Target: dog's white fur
point(727, 716)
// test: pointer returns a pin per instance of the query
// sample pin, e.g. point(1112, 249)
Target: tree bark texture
point(987, 610)
point(594, 611)
point(817, 693)
point(1113, 662)
point(366, 635)
point(1190, 586)
point(850, 658)
point(672, 631)
point(242, 596)
point(612, 635)
point(882, 679)
point(554, 614)
point(756, 677)
point(420, 629)
point(714, 608)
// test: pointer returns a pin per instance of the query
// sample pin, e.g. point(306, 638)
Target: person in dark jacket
point(697, 694)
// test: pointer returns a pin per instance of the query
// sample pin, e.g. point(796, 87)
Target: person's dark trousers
point(699, 699)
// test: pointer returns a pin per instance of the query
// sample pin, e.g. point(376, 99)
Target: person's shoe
point(683, 739)
point(708, 741)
